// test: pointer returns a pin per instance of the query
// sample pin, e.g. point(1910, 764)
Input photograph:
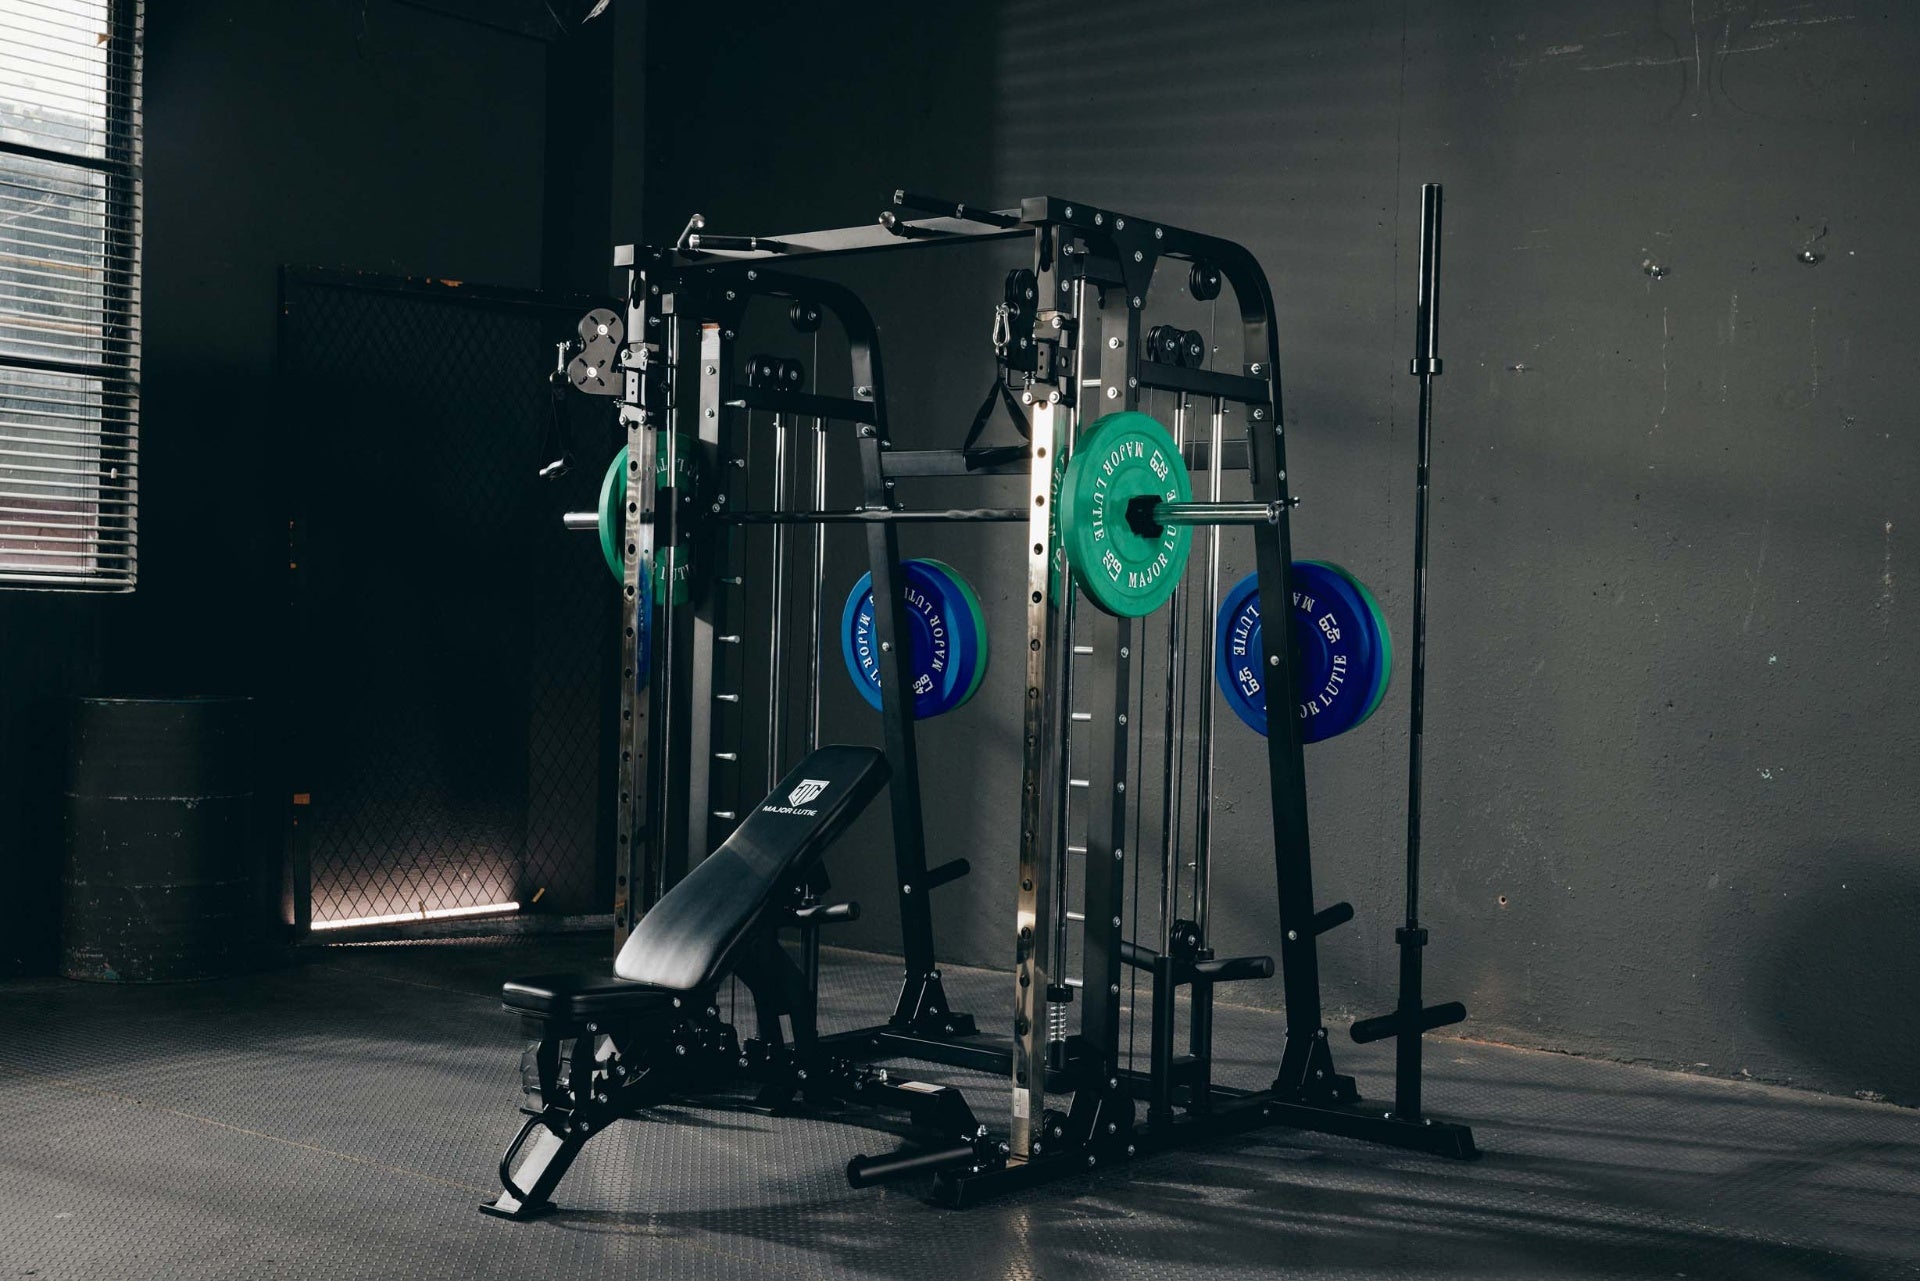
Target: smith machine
point(1108, 520)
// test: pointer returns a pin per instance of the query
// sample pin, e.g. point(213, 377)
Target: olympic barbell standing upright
point(1412, 1017)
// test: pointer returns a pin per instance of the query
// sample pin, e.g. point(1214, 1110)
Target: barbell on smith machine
point(1159, 513)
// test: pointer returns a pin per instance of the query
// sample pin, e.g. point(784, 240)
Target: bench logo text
point(809, 789)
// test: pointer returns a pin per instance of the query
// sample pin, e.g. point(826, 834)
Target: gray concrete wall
point(1673, 728)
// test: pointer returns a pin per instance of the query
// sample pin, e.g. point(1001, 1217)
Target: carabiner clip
point(1002, 328)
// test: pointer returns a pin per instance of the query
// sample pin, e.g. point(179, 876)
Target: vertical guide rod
point(814, 635)
point(810, 939)
point(1203, 780)
point(819, 578)
point(1200, 1030)
point(1173, 759)
point(1057, 1013)
point(776, 664)
point(1426, 367)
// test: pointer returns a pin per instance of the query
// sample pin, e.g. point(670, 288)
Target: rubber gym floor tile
point(344, 1117)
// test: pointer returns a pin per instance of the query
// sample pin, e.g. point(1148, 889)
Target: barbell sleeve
point(1218, 513)
point(581, 521)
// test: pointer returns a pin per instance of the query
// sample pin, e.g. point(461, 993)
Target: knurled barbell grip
point(875, 515)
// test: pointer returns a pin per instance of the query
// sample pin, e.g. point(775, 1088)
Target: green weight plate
point(1122, 457)
point(670, 578)
point(979, 621)
point(613, 513)
point(686, 454)
point(1056, 554)
point(1384, 638)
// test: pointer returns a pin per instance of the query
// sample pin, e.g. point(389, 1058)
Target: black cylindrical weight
point(163, 878)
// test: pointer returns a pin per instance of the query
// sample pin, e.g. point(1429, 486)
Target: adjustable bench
point(609, 1046)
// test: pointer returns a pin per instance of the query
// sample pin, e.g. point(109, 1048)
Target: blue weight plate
point(1375, 636)
point(932, 592)
point(962, 645)
point(932, 607)
point(1339, 652)
point(1336, 630)
point(969, 631)
point(949, 604)
point(1237, 651)
point(932, 610)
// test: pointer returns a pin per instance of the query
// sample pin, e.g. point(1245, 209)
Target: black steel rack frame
point(1092, 270)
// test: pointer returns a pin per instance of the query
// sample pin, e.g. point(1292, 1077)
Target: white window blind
point(69, 292)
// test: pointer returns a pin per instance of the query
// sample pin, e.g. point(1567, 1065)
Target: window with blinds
point(69, 292)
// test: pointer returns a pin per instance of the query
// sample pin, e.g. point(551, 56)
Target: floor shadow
point(1835, 992)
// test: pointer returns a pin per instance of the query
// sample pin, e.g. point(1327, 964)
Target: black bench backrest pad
point(689, 938)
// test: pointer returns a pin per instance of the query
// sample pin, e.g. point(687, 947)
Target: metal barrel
point(163, 877)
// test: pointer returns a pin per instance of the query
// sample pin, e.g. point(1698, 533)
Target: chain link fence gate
point(449, 689)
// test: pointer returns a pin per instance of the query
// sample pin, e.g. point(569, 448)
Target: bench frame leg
point(526, 1191)
point(613, 1072)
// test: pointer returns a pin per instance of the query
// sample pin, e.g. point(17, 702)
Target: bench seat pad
point(690, 938)
point(694, 934)
point(584, 996)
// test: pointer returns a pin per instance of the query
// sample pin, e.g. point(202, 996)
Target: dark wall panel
point(452, 643)
point(1672, 724)
point(377, 137)
point(367, 135)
